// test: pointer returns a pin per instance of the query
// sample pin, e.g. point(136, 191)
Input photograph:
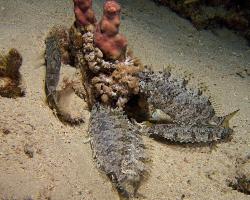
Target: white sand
point(62, 166)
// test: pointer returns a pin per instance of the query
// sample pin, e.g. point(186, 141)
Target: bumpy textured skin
point(61, 95)
point(193, 117)
point(118, 148)
point(53, 66)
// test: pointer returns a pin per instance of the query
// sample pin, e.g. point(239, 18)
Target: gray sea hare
point(118, 92)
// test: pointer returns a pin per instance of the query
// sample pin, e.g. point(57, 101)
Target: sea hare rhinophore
point(119, 91)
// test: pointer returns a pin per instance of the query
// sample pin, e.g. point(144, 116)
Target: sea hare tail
point(118, 148)
point(189, 133)
point(227, 118)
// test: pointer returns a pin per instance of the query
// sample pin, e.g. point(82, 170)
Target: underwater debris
point(29, 150)
point(118, 148)
point(10, 77)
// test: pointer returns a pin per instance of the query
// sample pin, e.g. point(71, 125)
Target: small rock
point(28, 198)
point(28, 150)
point(6, 131)
point(159, 116)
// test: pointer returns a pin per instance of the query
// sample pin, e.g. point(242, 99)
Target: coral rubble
point(10, 78)
point(109, 74)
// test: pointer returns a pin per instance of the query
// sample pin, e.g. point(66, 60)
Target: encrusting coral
point(119, 91)
point(118, 87)
point(10, 78)
point(109, 74)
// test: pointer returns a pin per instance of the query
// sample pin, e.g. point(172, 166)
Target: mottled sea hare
point(118, 148)
point(192, 116)
point(120, 92)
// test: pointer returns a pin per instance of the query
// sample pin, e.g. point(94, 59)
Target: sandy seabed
point(62, 166)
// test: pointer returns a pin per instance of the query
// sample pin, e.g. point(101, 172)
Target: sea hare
point(193, 118)
point(107, 36)
point(118, 148)
point(120, 91)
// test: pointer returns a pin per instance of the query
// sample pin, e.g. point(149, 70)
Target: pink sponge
point(107, 36)
point(84, 13)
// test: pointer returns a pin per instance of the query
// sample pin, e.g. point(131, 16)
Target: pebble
point(28, 150)
point(160, 116)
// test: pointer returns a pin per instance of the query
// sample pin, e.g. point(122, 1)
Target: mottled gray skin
point(53, 66)
point(193, 117)
point(53, 61)
point(118, 148)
